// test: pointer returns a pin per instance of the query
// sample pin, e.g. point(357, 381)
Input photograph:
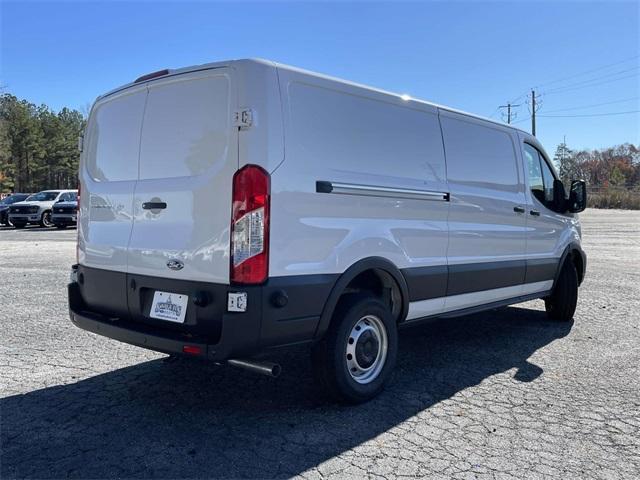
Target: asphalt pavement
point(500, 394)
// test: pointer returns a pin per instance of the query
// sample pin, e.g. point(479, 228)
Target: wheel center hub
point(367, 349)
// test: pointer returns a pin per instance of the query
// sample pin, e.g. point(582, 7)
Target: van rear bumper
point(116, 305)
point(101, 325)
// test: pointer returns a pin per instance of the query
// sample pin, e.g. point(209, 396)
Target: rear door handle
point(154, 205)
point(535, 213)
point(518, 209)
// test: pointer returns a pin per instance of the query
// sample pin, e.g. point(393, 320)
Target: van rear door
point(108, 176)
point(182, 200)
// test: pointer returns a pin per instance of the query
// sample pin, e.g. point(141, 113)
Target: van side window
point(114, 137)
point(479, 155)
point(540, 175)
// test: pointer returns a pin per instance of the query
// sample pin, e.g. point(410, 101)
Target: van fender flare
point(568, 250)
point(370, 263)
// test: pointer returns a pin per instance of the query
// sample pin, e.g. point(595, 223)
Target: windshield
point(12, 199)
point(43, 197)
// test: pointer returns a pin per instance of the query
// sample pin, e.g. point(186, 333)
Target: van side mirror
point(577, 196)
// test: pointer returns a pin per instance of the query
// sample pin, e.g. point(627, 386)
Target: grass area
point(624, 199)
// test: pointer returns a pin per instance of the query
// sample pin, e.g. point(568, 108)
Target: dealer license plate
point(169, 306)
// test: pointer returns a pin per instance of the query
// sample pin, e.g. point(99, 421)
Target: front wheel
point(45, 220)
point(357, 355)
point(561, 304)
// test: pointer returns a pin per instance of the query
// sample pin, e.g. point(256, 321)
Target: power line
point(494, 112)
point(593, 105)
point(556, 91)
point(562, 87)
point(589, 71)
point(579, 74)
point(522, 120)
point(524, 95)
point(590, 115)
point(508, 106)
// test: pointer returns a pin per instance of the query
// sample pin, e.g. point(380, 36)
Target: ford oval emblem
point(175, 264)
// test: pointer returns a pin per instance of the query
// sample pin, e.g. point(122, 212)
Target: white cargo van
point(229, 208)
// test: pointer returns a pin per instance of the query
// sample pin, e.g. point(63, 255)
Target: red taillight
point(250, 226)
point(191, 350)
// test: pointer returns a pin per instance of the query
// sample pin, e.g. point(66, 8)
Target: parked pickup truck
point(37, 208)
point(65, 213)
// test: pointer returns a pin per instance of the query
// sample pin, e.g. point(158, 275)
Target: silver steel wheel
point(366, 350)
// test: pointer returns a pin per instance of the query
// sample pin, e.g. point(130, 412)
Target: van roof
point(270, 63)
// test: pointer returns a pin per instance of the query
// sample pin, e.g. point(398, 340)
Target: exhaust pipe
point(265, 368)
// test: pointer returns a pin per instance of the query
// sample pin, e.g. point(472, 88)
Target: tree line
point(38, 146)
point(614, 167)
point(612, 174)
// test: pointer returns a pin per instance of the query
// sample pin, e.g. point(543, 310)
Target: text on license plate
point(169, 306)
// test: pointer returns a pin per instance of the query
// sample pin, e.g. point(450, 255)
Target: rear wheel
point(19, 225)
point(561, 304)
point(45, 220)
point(357, 355)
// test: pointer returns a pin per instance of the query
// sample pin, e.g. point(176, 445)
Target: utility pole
point(508, 107)
point(533, 113)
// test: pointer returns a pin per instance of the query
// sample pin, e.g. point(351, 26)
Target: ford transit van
point(231, 208)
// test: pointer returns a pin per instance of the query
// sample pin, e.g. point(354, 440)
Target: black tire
point(19, 225)
point(329, 356)
point(561, 304)
point(45, 219)
point(61, 227)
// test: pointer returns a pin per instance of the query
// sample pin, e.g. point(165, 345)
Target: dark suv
point(4, 206)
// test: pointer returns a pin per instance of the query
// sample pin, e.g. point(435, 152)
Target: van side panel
point(487, 237)
point(344, 134)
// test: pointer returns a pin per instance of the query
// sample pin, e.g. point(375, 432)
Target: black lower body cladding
point(285, 310)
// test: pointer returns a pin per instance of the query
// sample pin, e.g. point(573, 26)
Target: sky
point(583, 58)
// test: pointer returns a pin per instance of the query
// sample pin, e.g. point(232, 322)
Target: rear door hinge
point(244, 118)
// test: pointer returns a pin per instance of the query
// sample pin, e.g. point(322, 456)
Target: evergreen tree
point(567, 164)
point(38, 147)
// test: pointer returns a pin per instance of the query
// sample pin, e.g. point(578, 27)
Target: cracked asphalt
point(502, 394)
